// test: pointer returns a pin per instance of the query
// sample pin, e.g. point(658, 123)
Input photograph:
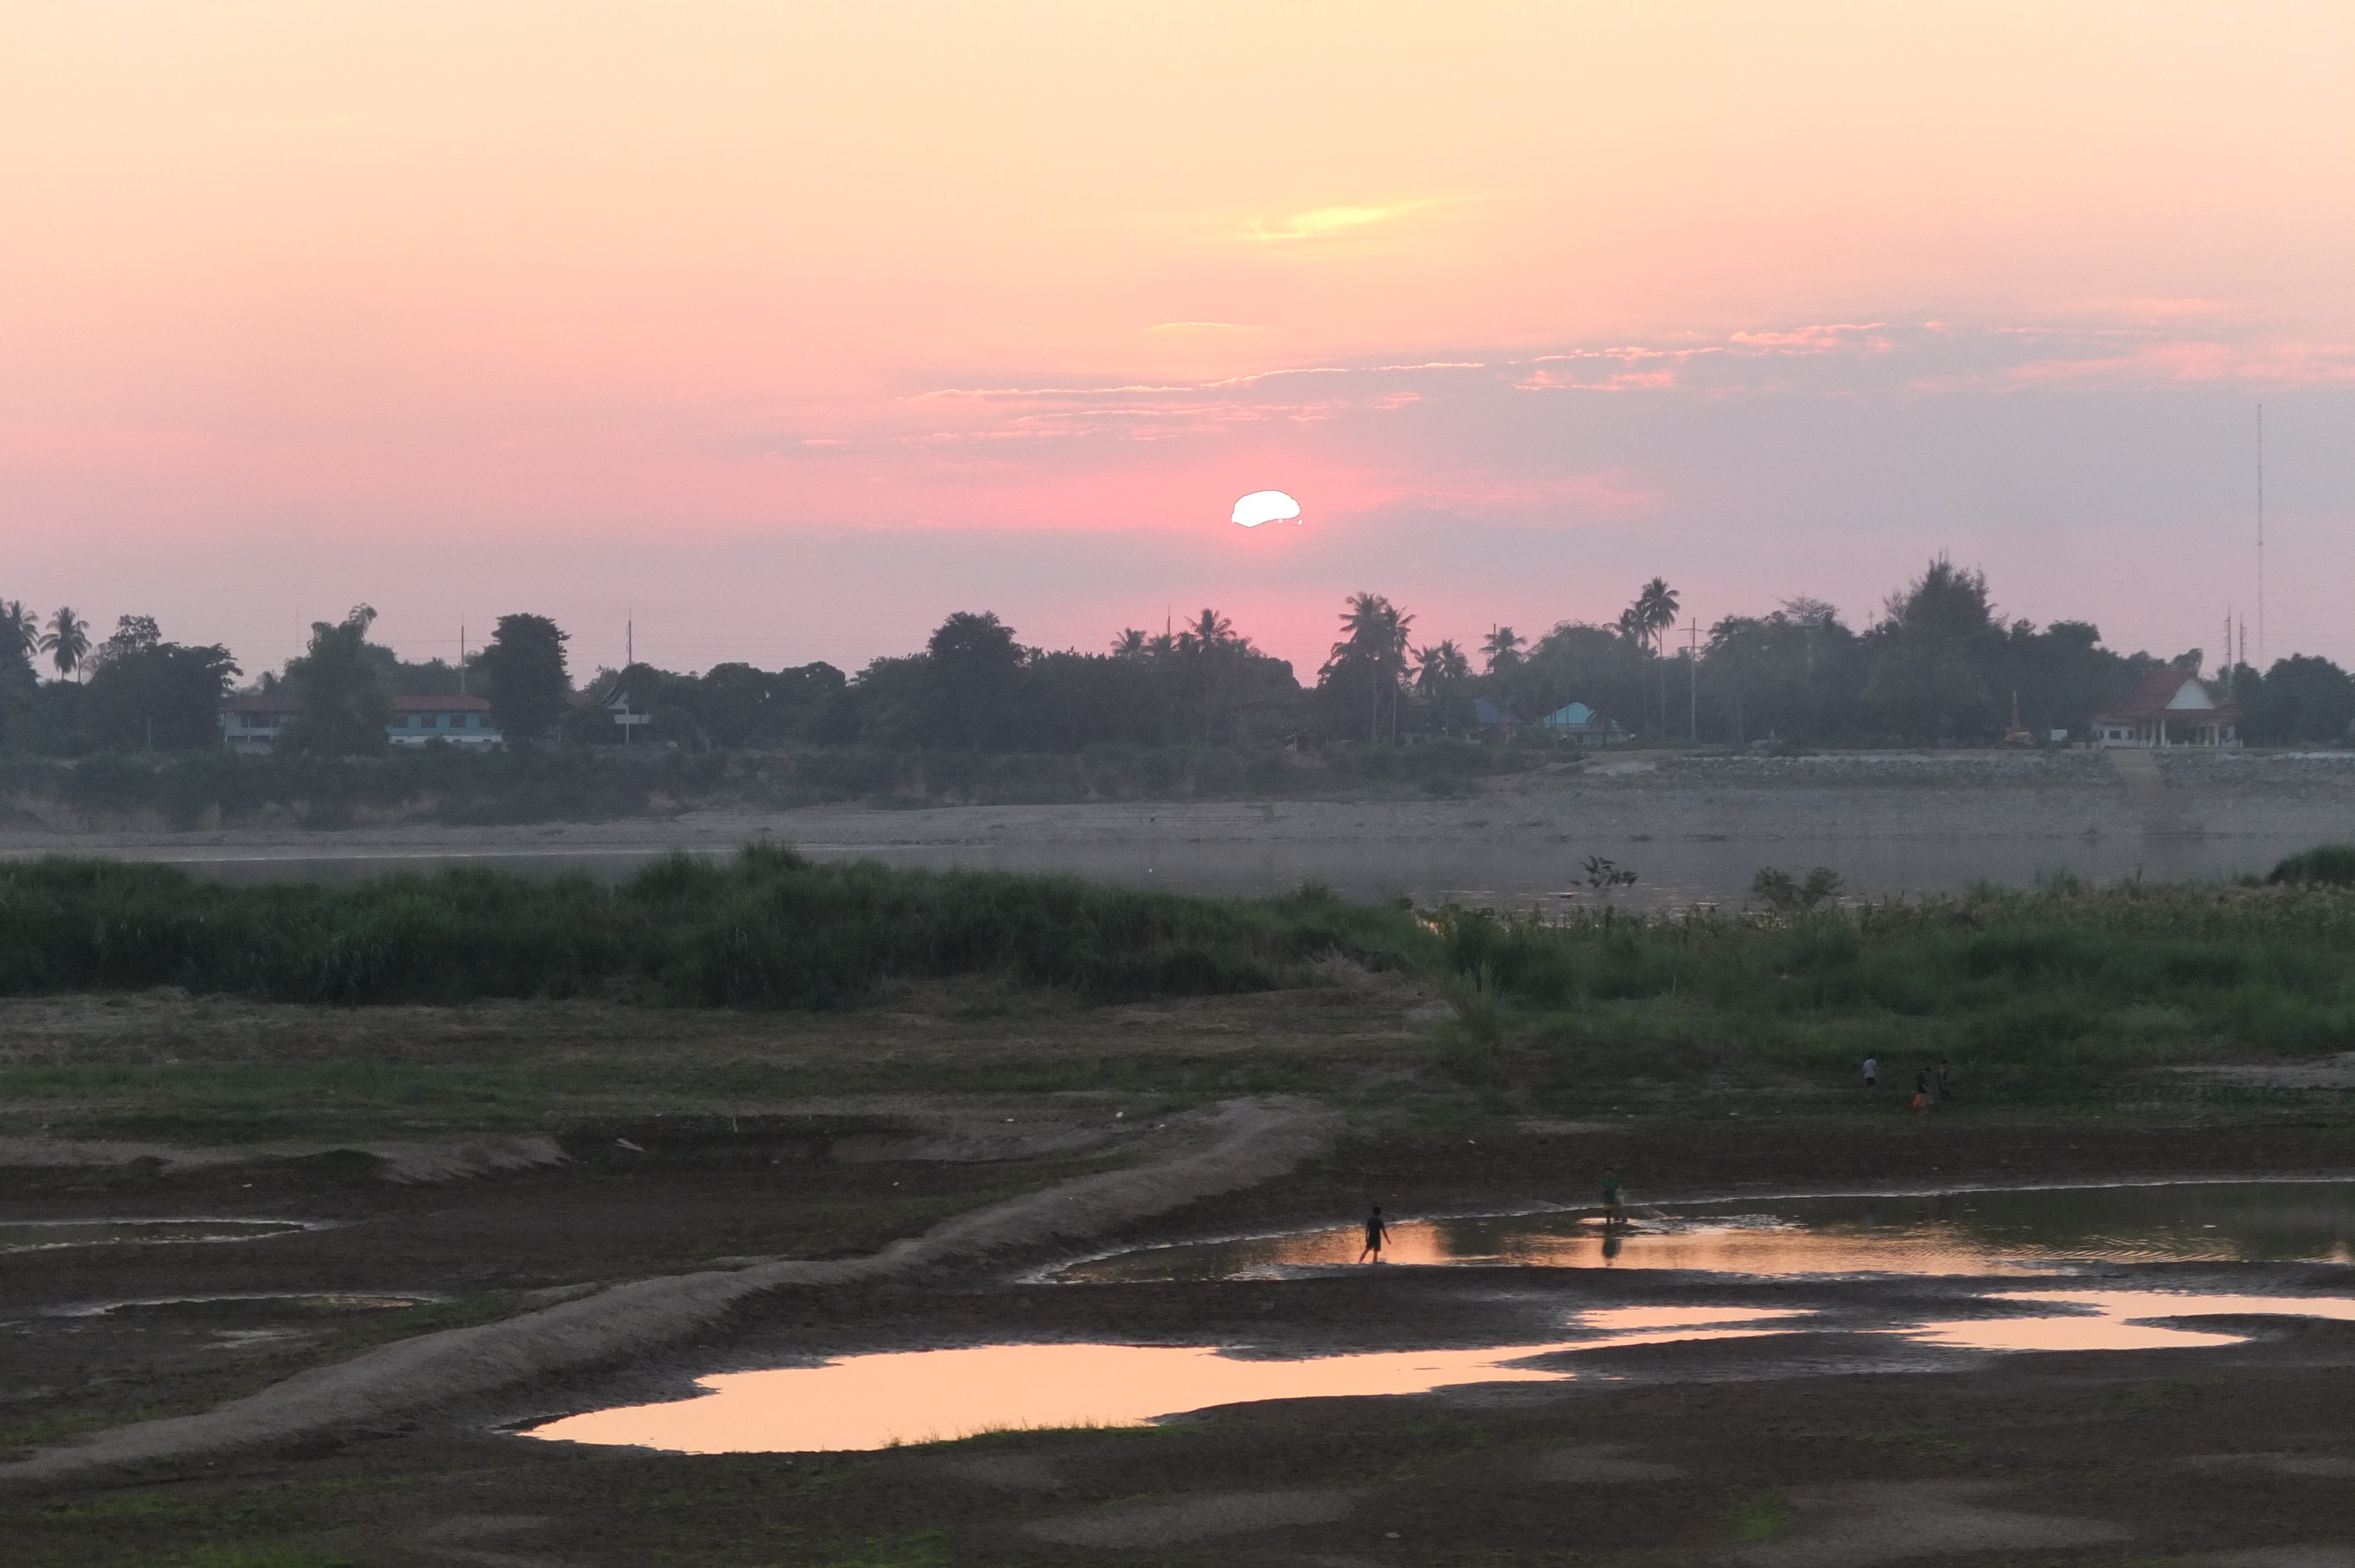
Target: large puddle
point(915, 1396)
point(2013, 1231)
point(923, 1396)
point(41, 1236)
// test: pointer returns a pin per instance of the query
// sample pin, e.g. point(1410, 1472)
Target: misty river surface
point(1499, 872)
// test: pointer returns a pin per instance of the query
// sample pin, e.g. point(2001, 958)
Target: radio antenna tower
point(2261, 533)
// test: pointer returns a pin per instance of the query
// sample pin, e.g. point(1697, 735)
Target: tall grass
point(2063, 982)
point(768, 929)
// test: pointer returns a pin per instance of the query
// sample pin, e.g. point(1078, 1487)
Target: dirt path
point(1237, 1144)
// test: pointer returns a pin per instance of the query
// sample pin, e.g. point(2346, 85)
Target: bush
point(2331, 865)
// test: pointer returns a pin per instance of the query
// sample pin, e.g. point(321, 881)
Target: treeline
point(1939, 666)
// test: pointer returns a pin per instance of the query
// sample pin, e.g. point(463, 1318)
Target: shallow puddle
point(248, 1303)
point(41, 1236)
point(2120, 1320)
point(2017, 1230)
point(921, 1396)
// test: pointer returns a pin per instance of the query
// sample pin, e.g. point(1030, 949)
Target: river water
point(1670, 872)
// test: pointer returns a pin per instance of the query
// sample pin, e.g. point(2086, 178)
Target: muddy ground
point(1829, 1445)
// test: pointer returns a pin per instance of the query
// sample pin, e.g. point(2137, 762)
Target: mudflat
point(902, 1172)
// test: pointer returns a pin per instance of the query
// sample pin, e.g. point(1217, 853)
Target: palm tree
point(1374, 637)
point(1503, 649)
point(1211, 629)
point(1647, 622)
point(1129, 644)
point(1656, 607)
point(1437, 670)
point(20, 632)
point(67, 642)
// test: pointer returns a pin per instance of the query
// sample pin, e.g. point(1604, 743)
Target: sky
point(779, 332)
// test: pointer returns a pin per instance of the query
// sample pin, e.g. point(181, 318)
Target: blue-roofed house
point(1488, 718)
point(1582, 724)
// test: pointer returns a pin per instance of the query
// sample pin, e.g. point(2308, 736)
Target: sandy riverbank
point(1885, 797)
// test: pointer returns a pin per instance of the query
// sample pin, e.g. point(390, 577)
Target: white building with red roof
point(2170, 708)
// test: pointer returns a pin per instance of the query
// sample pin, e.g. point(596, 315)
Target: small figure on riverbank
point(1377, 1233)
point(1945, 1083)
point(1613, 1209)
point(1871, 1070)
point(1922, 1089)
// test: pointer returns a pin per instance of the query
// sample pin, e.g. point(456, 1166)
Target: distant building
point(1580, 722)
point(2170, 708)
point(1489, 718)
point(252, 725)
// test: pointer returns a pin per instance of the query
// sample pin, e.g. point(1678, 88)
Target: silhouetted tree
point(20, 634)
point(1936, 645)
point(524, 665)
point(1439, 671)
point(1503, 649)
point(1371, 658)
point(2301, 699)
point(972, 662)
point(67, 641)
point(342, 706)
point(147, 694)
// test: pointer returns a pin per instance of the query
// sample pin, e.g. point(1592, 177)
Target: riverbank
point(1696, 829)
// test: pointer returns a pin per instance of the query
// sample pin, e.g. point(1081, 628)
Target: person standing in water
point(1377, 1233)
point(1613, 1208)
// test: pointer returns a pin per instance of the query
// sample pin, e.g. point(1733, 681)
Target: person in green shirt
point(1612, 1209)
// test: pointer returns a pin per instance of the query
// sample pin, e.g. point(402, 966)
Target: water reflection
point(1513, 869)
point(2019, 1232)
point(919, 1396)
point(2119, 1320)
point(916, 1396)
point(41, 1236)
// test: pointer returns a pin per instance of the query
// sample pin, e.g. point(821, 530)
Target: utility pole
point(1692, 659)
point(630, 640)
point(2261, 533)
point(461, 653)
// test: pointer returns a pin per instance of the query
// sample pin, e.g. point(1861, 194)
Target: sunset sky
point(787, 329)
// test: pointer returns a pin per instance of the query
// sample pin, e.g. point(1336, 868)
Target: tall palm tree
point(1374, 636)
point(20, 631)
point(1648, 621)
point(1503, 649)
point(1437, 670)
point(1210, 630)
point(67, 642)
point(1129, 644)
point(1656, 607)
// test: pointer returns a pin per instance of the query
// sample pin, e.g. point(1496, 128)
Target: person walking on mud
point(1615, 1213)
point(1377, 1233)
point(1922, 1090)
point(1871, 1072)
